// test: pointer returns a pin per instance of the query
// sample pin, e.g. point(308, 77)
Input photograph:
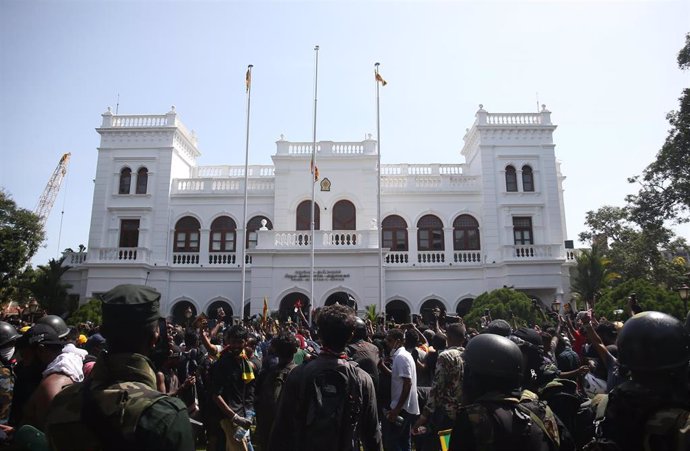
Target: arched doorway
point(398, 312)
point(464, 307)
point(342, 298)
point(212, 312)
point(247, 309)
point(428, 307)
point(288, 304)
point(180, 315)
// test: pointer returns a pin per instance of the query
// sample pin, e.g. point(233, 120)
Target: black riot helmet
point(653, 341)
point(495, 356)
point(57, 323)
point(8, 333)
point(360, 332)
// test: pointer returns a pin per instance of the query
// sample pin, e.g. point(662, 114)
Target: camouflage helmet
point(8, 333)
point(58, 324)
point(653, 341)
point(494, 355)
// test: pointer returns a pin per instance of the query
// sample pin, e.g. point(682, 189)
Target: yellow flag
point(380, 79)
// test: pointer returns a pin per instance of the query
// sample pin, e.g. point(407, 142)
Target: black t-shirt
point(226, 381)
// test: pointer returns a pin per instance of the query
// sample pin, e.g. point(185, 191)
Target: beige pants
point(230, 443)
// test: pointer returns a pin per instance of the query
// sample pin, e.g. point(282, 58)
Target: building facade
point(448, 232)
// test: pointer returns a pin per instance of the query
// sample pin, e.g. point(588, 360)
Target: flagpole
point(313, 184)
point(378, 189)
point(248, 80)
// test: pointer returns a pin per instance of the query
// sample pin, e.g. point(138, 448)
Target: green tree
point(89, 311)
point(21, 234)
point(504, 303)
point(48, 288)
point(632, 250)
point(650, 297)
point(665, 190)
point(591, 274)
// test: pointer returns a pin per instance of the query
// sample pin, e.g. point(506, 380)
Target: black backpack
point(331, 404)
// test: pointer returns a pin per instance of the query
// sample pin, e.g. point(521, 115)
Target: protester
point(232, 391)
point(404, 405)
point(328, 403)
point(270, 384)
point(445, 397)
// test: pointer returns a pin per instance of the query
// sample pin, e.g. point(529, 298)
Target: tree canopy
point(21, 234)
point(665, 183)
point(649, 295)
point(504, 303)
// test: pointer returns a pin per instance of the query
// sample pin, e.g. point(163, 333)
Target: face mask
point(6, 353)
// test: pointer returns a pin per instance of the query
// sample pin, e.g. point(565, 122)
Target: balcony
point(347, 239)
point(110, 255)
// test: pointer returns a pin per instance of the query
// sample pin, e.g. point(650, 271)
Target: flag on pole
point(248, 78)
point(380, 79)
point(314, 168)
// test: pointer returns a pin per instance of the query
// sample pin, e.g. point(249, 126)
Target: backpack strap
point(547, 423)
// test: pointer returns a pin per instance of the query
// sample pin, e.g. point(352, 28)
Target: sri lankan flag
point(380, 79)
point(314, 168)
point(248, 78)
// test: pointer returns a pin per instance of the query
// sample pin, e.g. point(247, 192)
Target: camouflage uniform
point(6, 391)
point(633, 417)
point(119, 408)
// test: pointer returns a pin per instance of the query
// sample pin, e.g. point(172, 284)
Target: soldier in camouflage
point(119, 407)
point(8, 338)
point(651, 411)
point(497, 414)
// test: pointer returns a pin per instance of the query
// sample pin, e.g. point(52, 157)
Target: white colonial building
point(449, 232)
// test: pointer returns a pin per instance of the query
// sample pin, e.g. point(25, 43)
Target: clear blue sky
point(607, 71)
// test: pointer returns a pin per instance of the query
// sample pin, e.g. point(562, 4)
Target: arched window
point(430, 234)
point(511, 179)
point(125, 180)
point(465, 233)
point(394, 233)
point(304, 216)
point(142, 180)
point(223, 231)
point(187, 235)
point(527, 178)
point(253, 225)
point(344, 216)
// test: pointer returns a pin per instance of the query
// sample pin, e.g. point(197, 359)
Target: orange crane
point(45, 203)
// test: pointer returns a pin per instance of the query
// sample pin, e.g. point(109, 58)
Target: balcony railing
point(324, 239)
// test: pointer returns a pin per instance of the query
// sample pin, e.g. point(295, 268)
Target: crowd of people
point(340, 382)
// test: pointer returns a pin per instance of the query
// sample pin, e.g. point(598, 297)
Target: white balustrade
point(513, 118)
point(74, 258)
point(341, 239)
point(133, 121)
point(123, 254)
point(185, 258)
point(398, 258)
point(222, 258)
point(534, 251)
point(467, 257)
point(430, 257)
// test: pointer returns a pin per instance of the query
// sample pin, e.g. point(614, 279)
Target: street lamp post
point(556, 306)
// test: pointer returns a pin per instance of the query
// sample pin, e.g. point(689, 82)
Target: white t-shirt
point(404, 367)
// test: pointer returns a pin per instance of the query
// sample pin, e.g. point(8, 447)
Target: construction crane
point(45, 203)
